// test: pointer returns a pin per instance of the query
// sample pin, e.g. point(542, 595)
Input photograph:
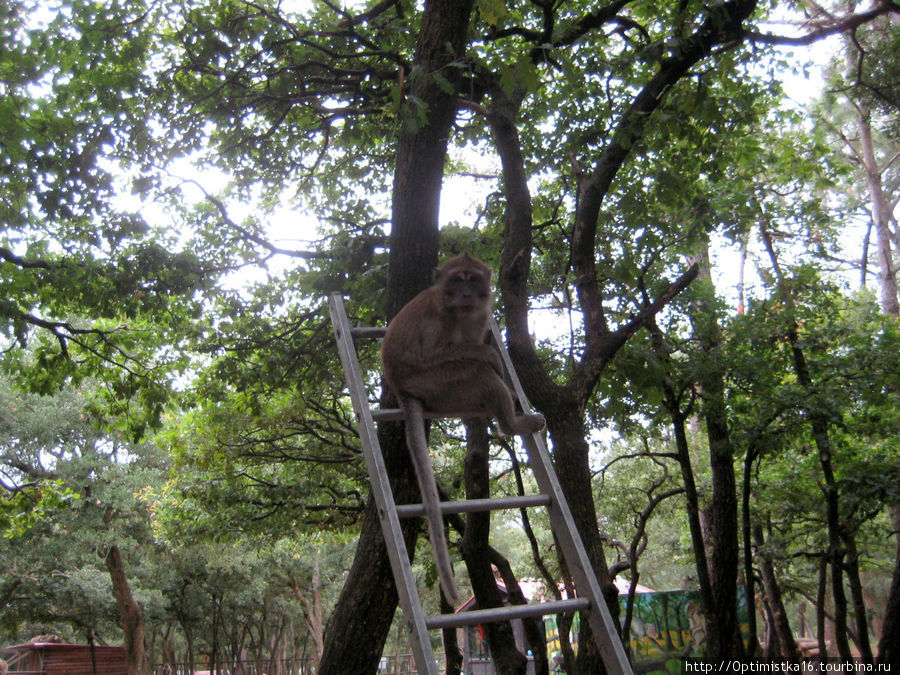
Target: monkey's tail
point(418, 450)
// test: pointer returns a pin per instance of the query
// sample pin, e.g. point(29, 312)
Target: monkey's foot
point(524, 424)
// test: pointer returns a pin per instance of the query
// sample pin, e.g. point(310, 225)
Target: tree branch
point(65, 333)
point(10, 257)
point(848, 23)
point(590, 21)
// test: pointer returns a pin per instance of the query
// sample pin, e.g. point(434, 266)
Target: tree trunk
point(535, 638)
point(821, 599)
point(749, 577)
point(501, 640)
point(453, 658)
point(780, 625)
point(832, 510)
point(563, 409)
point(312, 610)
point(573, 468)
point(360, 623)
point(889, 645)
point(131, 616)
point(724, 641)
point(880, 207)
point(359, 626)
point(822, 440)
point(856, 595)
point(679, 418)
point(770, 637)
point(189, 645)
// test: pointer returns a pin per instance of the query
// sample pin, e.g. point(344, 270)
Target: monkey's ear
point(435, 274)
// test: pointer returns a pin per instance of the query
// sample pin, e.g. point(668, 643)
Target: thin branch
point(249, 236)
point(847, 23)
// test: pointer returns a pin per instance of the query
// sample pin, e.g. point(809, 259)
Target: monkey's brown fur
point(435, 358)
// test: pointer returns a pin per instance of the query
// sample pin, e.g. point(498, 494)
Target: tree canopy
point(697, 280)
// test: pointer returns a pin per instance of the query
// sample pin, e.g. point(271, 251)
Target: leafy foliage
point(183, 184)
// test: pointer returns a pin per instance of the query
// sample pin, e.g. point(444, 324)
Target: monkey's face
point(465, 291)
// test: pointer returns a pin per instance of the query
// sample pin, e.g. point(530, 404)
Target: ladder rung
point(368, 332)
point(507, 613)
point(476, 505)
point(396, 415)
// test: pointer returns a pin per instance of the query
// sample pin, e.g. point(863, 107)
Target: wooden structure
point(471, 639)
point(57, 658)
point(590, 599)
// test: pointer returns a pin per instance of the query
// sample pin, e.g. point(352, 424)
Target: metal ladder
point(551, 496)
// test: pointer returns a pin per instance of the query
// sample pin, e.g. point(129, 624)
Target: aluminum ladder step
point(507, 613)
point(477, 505)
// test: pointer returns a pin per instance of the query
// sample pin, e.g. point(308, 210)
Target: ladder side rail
point(381, 490)
point(601, 622)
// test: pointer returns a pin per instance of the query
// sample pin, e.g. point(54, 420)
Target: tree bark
point(821, 599)
point(536, 639)
point(832, 507)
point(312, 610)
point(501, 640)
point(361, 620)
point(821, 438)
point(359, 626)
point(889, 645)
point(780, 624)
point(453, 658)
point(573, 468)
point(861, 628)
point(724, 641)
point(679, 415)
point(131, 616)
point(421, 152)
point(749, 577)
point(880, 207)
point(563, 406)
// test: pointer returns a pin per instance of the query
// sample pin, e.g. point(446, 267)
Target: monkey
point(435, 358)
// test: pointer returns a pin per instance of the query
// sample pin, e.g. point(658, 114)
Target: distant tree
point(859, 111)
point(56, 440)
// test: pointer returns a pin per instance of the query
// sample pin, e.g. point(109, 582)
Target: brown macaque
point(435, 358)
